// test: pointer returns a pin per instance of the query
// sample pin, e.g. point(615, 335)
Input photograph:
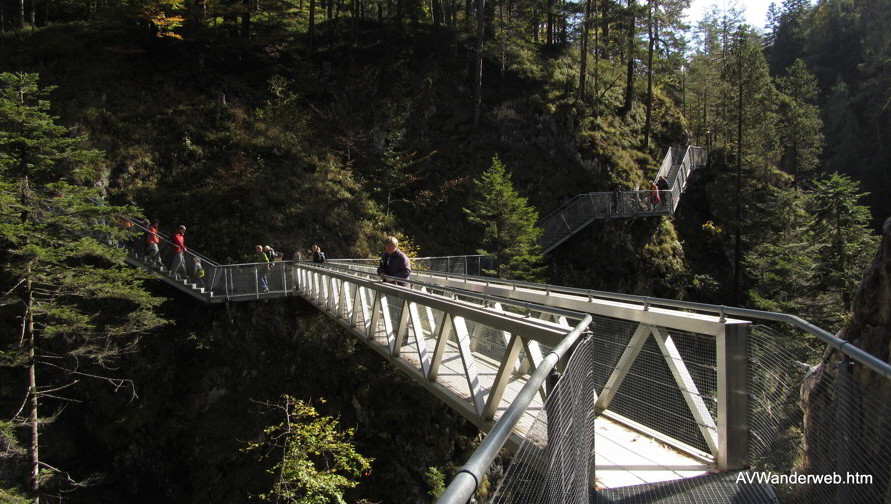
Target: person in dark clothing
point(263, 267)
point(317, 255)
point(394, 263)
point(662, 185)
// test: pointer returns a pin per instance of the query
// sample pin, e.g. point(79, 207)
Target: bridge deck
point(622, 456)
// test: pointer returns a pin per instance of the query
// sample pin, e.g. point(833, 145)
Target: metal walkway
point(670, 380)
point(474, 342)
point(581, 210)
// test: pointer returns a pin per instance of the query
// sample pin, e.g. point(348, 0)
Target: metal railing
point(476, 264)
point(463, 347)
point(468, 479)
point(582, 209)
point(709, 368)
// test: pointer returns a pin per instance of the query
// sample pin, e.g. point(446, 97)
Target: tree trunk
point(480, 34)
point(653, 32)
point(737, 246)
point(583, 54)
point(535, 25)
point(550, 32)
point(22, 14)
point(33, 12)
point(604, 15)
point(597, 18)
point(32, 391)
point(246, 19)
point(312, 25)
point(629, 77)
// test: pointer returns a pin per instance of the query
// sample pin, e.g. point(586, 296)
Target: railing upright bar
point(466, 482)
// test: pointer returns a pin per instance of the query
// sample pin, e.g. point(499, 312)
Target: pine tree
point(750, 105)
point(80, 305)
point(508, 221)
point(800, 126)
point(843, 246)
point(780, 260)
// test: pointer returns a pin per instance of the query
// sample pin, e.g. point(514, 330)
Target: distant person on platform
point(198, 272)
point(662, 185)
point(263, 269)
point(179, 249)
point(394, 263)
point(317, 255)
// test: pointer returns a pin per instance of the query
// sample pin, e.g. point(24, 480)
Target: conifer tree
point(508, 222)
point(79, 304)
point(800, 126)
point(843, 245)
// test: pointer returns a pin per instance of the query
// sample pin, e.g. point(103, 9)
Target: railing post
point(846, 438)
point(554, 479)
point(733, 427)
point(257, 282)
point(226, 281)
point(284, 278)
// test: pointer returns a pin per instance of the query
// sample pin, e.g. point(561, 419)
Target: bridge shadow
point(710, 488)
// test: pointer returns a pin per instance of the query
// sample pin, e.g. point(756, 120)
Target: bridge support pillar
point(733, 428)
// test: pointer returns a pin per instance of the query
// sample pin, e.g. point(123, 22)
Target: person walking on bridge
point(662, 185)
point(318, 256)
point(151, 242)
point(394, 263)
point(262, 268)
point(179, 249)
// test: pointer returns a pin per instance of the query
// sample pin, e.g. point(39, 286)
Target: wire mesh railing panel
point(243, 280)
point(818, 433)
point(486, 341)
point(554, 463)
point(654, 392)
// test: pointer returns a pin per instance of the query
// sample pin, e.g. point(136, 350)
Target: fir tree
point(800, 126)
point(80, 304)
point(508, 221)
point(843, 246)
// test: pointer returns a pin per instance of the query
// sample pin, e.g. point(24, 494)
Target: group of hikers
point(658, 196)
point(659, 189)
point(394, 264)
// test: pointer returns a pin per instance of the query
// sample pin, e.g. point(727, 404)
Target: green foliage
point(812, 251)
point(508, 222)
point(318, 462)
point(800, 126)
point(435, 480)
point(12, 496)
point(843, 243)
point(31, 144)
point(86, 304)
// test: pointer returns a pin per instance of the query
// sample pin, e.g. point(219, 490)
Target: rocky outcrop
point(847, 419)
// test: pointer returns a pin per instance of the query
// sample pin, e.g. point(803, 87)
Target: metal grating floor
point(707, 489)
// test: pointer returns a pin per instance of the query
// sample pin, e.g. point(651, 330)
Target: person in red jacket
point(179, 249)
point(151, 242)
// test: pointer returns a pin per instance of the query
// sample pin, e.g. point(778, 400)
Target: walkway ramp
point(581, 210)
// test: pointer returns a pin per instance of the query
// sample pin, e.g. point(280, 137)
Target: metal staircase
point(582, 209)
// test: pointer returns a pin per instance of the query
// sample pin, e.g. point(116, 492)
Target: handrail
point(167, 240)
point(411, 258)
point(846, 347)
point(467, 481)
point(465, 293)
